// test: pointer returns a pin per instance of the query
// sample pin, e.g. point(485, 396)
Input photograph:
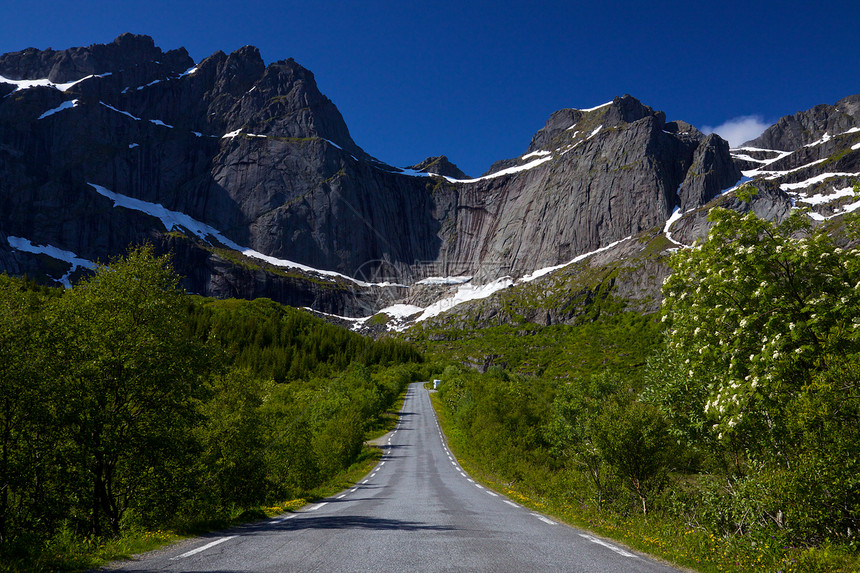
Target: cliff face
point(235, 155)
point(588, 179)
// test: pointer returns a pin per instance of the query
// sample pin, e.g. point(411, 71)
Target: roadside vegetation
point(722, 434)
point(132, 413)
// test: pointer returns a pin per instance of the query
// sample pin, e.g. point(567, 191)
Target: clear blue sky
point(475, 80)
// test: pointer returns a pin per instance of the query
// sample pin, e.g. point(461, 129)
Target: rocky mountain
point(247, 173)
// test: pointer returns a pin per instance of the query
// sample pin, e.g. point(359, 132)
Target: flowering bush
point(756, 311)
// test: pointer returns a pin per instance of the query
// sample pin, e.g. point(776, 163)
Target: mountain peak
point(439, 166)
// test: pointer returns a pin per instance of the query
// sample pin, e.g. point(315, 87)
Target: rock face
point(613, 172)
point(794, 131)
point(202, 159)
point(439, 166)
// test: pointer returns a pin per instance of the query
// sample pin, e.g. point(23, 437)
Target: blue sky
point(475, 80)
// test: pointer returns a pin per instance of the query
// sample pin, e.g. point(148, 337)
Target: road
point(416, 511)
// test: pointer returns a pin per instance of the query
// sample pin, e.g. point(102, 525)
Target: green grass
point(663, 537)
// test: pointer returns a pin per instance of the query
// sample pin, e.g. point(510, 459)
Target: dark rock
point(439, 166)
point(804, 127)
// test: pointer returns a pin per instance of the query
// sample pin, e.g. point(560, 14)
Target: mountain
point(248, 174)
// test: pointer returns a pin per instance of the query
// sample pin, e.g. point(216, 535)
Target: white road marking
point(203, 548)
point(341, 496)
point(317, 506)
point(492, 493)
point(509, 502)
point(382, 464)
point(373, 474)
point(353, 490)
point(284, 518)
point(365, 481)
point(462, 474)
point(479, 486)
point(618, 550)
point(470, 480)
point(546, 520)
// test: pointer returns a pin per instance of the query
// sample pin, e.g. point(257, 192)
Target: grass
point(660, 536)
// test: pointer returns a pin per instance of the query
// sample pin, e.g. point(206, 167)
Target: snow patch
point(332, 142)
point(539, 153)
point(815, 180)
point(821, 199)
point(61, 107)
point(465, 293)
point(133, 145)
point(824, 139)
point(676, 215)
point(161, 123)
point(21, 244)
point(595, 132)
point(188, 72)
point(402, 310)
point(444, 280)
point(508, 171)
point(232, 134)
point(597, 107)
point(27, 84)
point(173, 219)
point(546, 270)
point(112, 108)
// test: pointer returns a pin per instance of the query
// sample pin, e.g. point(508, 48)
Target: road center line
point(203, 548)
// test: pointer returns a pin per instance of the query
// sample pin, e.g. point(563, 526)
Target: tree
point(754, 312)
point(129, 378)
point(763, 350)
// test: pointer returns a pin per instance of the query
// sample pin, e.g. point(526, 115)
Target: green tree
point(633, 440)
point(571, 430)
point(129, 380)
point(763, 348)
point(754, 312)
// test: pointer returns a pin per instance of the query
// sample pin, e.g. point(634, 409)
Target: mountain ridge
point(260, 154)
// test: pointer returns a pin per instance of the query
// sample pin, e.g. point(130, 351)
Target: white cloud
point(739, 130)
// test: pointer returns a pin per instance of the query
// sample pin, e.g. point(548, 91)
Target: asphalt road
point(416, 511)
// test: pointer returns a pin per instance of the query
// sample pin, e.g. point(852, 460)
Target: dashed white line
point(203, 548)
point(353, 490)
point(341, 496)
point(317, 506)
point(509, 502)
point(470, 480)
point(618, 550)
point(494, 494)
point(544, 519)
point(479, 486)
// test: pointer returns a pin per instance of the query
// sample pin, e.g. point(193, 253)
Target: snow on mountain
point(175, 219)
point(24, 245)
point(65, 105)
